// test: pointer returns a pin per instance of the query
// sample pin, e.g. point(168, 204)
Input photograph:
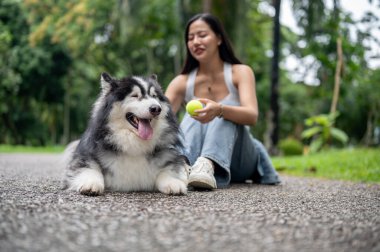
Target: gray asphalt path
point(299, 215)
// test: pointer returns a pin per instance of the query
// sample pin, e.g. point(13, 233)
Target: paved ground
point(299, 215)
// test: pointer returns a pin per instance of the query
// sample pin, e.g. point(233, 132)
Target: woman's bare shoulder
point(178, 84)
point(241, 68)
point(242, 73)
point(179, 80)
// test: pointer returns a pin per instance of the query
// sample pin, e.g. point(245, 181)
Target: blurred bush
point(291, 147)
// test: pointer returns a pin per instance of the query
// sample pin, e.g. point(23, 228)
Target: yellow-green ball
point(193, 105)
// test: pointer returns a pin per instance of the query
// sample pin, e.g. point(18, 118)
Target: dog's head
point(131, 105)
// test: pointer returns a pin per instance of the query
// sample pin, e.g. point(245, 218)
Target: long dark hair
point(225, 49)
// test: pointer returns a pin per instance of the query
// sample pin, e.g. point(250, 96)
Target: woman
point(217, 141)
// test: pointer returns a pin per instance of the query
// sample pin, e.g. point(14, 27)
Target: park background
point(53, 52)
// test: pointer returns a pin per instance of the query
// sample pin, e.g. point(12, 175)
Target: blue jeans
point(236, 154)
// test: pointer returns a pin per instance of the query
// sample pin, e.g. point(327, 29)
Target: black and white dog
point(131, 142)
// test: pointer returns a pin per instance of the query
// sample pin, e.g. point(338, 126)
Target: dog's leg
point(88, 181)
point(170, 183)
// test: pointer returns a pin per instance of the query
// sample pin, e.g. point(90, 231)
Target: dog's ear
point(155, 79)
point(107, 82)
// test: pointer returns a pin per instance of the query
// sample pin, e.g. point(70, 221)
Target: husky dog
point(131, 143)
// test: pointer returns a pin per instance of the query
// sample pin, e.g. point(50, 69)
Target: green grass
point(30, 149)
point(360, 165)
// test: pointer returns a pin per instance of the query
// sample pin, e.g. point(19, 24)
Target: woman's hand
point(210, 111)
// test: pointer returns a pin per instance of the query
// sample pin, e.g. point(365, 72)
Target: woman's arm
point(176, 92)
point(245, 114)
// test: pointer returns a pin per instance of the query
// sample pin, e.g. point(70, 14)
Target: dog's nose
point(155, 110)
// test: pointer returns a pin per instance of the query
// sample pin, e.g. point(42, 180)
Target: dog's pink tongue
point(145, 129)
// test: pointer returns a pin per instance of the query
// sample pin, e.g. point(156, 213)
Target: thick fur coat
point(132, 142)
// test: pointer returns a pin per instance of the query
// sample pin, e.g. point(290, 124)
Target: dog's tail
point(68, 153)
point(66, 157)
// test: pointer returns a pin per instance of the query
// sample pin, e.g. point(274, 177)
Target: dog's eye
point(154, 95)
point(135, 96)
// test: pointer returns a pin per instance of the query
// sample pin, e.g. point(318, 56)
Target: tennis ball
point(193, 105)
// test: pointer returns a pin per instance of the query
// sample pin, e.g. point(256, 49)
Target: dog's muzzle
point(143, 125)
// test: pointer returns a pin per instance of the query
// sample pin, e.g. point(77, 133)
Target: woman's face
point(202, 42)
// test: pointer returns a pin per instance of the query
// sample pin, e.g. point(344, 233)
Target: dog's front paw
point(92, 189)
point(89, 182)
point(170, 185)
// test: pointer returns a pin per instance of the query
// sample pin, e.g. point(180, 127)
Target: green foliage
point(10, 79)
point(361, 165)
point(361, 108)
point(322, 131)
point(320, 27)
point(31, 81)
point(290, 147)
point(294, 108)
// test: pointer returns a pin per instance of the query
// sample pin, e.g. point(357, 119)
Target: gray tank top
point(232, 97)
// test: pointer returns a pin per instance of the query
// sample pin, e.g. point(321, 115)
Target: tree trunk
point(206, 6)
point(368, 136)
point(338, 72)
point(66, 116)
point(274, 95)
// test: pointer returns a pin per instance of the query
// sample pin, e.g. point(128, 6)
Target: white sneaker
point(202, 174)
